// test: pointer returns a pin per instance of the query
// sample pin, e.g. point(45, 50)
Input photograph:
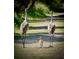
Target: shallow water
point(34, 38)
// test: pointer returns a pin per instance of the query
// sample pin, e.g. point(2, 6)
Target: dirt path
point(57, 52)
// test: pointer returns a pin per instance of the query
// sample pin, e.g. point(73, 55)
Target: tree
point(20, 5)
point(19, 8)
point(53, 5)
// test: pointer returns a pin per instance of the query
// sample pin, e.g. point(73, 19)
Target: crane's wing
point(51, 28)
point(23, 27)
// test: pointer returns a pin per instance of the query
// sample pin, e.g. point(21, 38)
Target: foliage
point(54, 5)
point(36, 8)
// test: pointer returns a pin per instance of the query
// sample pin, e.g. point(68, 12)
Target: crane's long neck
point(25, 14)
point(51, 18)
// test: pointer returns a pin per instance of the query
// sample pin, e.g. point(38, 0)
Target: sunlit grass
point(57, 23)
point(45, 31)
point(41, 31)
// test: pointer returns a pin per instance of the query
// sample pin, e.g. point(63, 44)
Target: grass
point(45, 31)
point(58, 23)
point(41, 31)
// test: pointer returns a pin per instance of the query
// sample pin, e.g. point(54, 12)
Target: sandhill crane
point(51, 30)
point(24, 27)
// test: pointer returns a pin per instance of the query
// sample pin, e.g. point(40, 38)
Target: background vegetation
point(37, 10)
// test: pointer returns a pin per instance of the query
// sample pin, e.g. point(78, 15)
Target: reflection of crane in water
point(24, 27)
point(51, 30)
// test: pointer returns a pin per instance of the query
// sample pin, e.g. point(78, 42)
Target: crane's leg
point(23, 41)
point(51, 41)
point(22, 37)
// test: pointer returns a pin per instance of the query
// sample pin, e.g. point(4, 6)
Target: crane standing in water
point(51, 30)
point(24, 27)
